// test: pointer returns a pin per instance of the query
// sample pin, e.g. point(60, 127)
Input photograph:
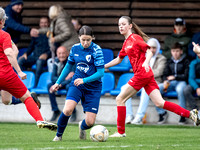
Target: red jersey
point(135, 47)
point(5, 42)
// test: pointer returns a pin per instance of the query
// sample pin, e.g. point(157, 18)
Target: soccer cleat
point(194, 116)
point(48, 125)
point(82, 133)
point(116, 134)
point(57, 138)
point(35, 98)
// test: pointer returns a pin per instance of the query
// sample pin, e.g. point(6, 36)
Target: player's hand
point(22, 75)
point(196, 48)
point(146, 66)
point(78, 81)
point(54, 88)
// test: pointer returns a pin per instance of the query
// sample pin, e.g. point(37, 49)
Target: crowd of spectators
point(175, 65)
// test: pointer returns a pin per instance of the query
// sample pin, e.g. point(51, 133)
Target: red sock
point(32, 108)
point(176, 109)
point(121, 116)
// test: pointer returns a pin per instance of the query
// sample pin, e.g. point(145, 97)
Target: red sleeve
point(122, 53)
point(7, 41)
point(142, 44)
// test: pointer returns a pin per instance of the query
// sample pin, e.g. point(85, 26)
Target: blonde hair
point(2, 14)
point(54, 11)
point(136, 28)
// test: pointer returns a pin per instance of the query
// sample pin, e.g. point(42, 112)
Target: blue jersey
point(87, 61)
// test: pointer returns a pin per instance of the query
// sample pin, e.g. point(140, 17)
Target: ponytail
point(137, 29)
point(140, 32)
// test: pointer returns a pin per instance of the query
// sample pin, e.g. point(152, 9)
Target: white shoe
point(57, 138)
point(117, 134)
point(136, 121)
point(48, 125)
point(129, 119)
point(82, 133)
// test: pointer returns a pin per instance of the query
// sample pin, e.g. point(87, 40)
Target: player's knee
point(119, 100)
point(67, 112)
point(25, 96)
point(159, 104)
point(6, 102)
point(90, 123)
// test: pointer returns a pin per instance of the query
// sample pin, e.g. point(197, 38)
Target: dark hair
point(136, 28)
point(86, 30)
point(177, 46)
point(45, 17)
point(78, 20)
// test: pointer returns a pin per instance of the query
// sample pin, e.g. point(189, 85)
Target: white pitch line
point(84, 147)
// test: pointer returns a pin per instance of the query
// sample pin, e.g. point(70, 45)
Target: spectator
point(195, 39)
point(179, 36)
point(61, 31)
point(37, 52)
point(157, 63)
point(60, 61)
point(193, 88)
point(14, 24)
point(77, 23)
point(176, 75)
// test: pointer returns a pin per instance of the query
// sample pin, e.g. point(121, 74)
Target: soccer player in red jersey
point(10, 81)
point(139, 55)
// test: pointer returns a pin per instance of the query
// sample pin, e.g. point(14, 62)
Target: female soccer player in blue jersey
point(86, 83)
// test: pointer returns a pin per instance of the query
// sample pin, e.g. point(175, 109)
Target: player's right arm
point(66, 70)
point(9, 52)
point(114, 62)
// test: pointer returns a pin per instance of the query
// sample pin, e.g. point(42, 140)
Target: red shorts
point(138, 82)
point(13, 84)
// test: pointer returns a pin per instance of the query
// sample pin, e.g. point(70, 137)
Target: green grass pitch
point(20, 136)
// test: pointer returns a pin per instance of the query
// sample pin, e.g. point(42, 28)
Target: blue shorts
point(89, 99)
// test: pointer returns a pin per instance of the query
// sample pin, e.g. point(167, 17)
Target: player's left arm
point(149, 54)
point(13, 60)
point(95, 76)
point(99, 63)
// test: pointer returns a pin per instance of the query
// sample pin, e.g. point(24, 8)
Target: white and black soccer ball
point(99, 133)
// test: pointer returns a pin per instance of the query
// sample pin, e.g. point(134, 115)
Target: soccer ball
point(99, 133)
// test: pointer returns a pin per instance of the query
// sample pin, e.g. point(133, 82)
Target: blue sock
point(62, 123)
point(84, 126)
point(15, 100)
